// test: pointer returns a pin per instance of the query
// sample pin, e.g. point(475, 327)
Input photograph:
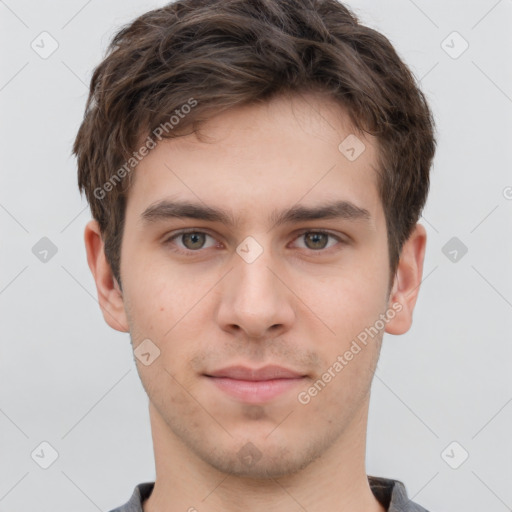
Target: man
point(256, 170)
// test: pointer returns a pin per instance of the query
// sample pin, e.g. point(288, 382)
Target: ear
point(406, 285)
point(110, 295)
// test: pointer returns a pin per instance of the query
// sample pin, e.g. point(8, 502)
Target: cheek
point(352, 301)
point(173, 319)
point(334, 396)
point(157, 298)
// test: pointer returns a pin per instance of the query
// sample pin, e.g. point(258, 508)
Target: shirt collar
point(390, 493)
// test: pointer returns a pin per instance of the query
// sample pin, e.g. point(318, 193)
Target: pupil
point(194, 238)
point(315, 237)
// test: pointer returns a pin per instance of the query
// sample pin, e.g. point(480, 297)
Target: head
point(249, 109)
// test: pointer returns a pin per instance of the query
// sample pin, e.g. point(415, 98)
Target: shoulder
point(393, 495)
point(140, 494)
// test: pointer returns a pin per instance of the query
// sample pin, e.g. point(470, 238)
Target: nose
point(254, 299)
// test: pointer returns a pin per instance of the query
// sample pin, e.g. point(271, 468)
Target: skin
point(298, 305)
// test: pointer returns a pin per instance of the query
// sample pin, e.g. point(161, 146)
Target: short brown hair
point(227, 53)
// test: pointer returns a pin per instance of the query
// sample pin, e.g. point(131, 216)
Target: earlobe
point(407, 281)
point(110, 296)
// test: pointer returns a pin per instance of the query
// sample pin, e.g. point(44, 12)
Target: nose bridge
point(254, 281)
point(253, 299)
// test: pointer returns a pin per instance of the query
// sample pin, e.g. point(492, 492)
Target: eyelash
point(191, 253)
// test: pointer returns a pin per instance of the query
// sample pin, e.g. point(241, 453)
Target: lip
point(255, 385)
point(269, 372)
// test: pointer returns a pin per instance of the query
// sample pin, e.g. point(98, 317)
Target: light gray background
point(68, 379)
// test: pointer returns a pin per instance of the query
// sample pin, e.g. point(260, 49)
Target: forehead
point(292, 149)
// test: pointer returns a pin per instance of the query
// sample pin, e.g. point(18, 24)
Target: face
point(282, 262)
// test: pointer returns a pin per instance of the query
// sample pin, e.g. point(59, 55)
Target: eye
point(318, 240)
point(191, 241)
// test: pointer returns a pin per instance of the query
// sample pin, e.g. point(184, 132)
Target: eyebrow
point(341, 209)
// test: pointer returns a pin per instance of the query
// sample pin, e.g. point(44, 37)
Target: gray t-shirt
point(391, 493)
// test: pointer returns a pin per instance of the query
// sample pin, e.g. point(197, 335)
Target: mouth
point(254, 386)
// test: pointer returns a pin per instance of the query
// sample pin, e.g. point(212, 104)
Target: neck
point(335, 480)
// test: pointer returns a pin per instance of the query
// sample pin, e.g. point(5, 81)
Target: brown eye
point(316, 240)
point(319, 242)
point(189, 242)
point(193, 240)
